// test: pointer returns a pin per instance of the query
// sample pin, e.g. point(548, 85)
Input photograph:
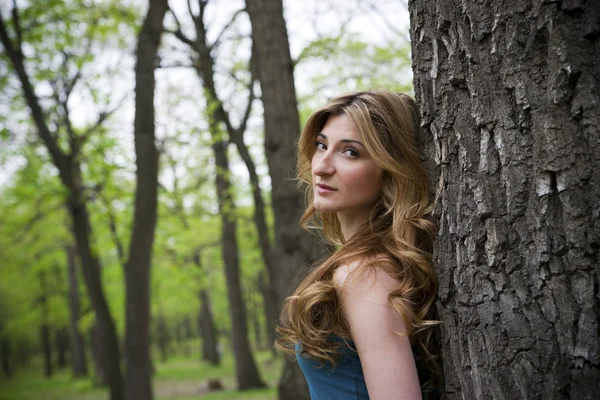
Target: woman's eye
point(320, 146)
point(351, 153)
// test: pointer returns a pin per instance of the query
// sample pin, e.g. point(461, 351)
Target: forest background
point(79, 57)
point(148, 214)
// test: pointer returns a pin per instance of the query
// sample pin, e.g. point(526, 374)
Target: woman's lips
point(323, 188)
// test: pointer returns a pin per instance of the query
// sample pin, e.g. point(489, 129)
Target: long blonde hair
point(398, 237)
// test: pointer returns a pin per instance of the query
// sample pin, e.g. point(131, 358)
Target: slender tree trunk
point(78, 359)
point(5, 355)
point(46, 350)
point(246, 371)
point(45, 335)
point(137, 270)
point(61, 340)
point(162, 338)
point(296, 249)
point(510, 109)
point(269, 294)
point(98, 350)
point(208, 331)
point(205, 69)
point(108, 344)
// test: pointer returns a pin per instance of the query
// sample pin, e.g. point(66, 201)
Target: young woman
point(354, 321)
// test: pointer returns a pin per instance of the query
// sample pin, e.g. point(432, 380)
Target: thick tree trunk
point(246, 371)
point(295, 248)
point(61, 341)
point(78, 359)
point(137, 269)
point(510, 107)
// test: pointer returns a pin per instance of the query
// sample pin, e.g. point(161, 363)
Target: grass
point(179, 378)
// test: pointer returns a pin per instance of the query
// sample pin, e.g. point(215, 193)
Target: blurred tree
point(247, 373)
point(510, 116)
point(138, 385)
point(295, 248)
point(78, 357)
point(43, 32)
point(203, 60)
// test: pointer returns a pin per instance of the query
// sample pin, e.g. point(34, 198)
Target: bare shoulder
point(377, 331)
point(355, 281)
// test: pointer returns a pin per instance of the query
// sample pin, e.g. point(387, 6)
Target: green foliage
point(93, 41)
point(345, 63)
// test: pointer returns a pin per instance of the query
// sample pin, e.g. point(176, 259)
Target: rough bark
point(78, 358)
point(137, 270)
point(69, 169)
point(295, 248)
point(510, 109)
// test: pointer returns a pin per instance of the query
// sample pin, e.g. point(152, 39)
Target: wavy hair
point(398, 237)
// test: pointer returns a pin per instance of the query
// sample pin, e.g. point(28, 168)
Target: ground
point(178, 378)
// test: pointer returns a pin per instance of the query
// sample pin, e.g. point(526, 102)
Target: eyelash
point(354, 155)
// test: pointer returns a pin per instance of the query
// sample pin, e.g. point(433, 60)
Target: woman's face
point(345, 178)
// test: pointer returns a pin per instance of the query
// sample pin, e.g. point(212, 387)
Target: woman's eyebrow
point(343, 140)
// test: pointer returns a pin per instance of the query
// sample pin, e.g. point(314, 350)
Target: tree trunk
point(108, 345)
point(162, 338)
point(137, 269)
point(46, 350)
point(5, 355)
point(247, 373)
point(61, 340)
point(294, 248)
point(208, 331)
point(78, 359)
point(205, 69)
point(98, 347)
point(245, 367)
point(510, 109)
point(269, 294)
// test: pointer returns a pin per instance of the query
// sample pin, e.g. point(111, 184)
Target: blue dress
point(345, 381)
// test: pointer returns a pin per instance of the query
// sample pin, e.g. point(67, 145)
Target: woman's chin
point(324, 209)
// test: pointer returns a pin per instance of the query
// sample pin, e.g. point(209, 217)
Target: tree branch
point(217, 41)
point(17, 22)
point(112, 224)
point(59, 157)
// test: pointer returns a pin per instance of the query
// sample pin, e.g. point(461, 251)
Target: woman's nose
point(323, 164)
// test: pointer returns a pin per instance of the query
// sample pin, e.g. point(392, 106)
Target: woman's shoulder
point(365, 278)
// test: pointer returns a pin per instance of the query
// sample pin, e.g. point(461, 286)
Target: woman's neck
point(350, 224)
